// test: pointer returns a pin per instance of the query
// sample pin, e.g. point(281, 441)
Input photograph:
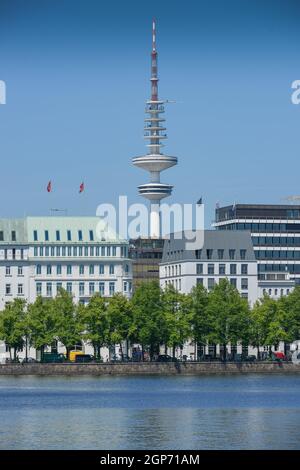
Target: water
point(224, 412)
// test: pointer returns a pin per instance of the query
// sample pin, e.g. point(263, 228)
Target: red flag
point(81, 187)
point(49, 187)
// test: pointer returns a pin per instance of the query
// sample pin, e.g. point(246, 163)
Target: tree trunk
point(224, 352)
point(122, 354)
point(26, 348)
point(173, 351)
point(258, 352)
point(142, 353)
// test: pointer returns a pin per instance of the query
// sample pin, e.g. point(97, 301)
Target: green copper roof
point(57, 229)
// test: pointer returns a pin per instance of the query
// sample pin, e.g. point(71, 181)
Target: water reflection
point(248, 412)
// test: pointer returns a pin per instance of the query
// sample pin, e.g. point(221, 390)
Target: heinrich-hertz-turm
point(155, 161)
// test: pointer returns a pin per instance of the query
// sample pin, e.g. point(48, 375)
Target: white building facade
point(40, 255)
point(220, 255)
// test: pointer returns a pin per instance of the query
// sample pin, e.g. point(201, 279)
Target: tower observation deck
point(155, 161)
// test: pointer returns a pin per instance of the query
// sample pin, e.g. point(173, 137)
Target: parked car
point(53, 357)
point(28, 360)
point(83, 358)
point(166, 358)
point(279, 356)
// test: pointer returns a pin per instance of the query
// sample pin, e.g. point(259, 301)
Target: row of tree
point(152, 318)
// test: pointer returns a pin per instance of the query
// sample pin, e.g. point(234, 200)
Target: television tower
point(155, 161)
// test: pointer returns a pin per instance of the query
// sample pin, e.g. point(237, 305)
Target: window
point(209, 254)
point(63, 251)
point(91, 288)
point(74, 250)
point(58, 251)
point(47, 251)
point(92, 251)
point(46, 233)
point(38, 269)
point(49, 289)
point(111, 288)
point(52, 250)
point(57, 235)
point(1, 236)
point(125, 286)
point(20, 270)
point(81, 269)
point(91, 269)
point(7, 271)
point(231, 254)
point(233, 281)
point(81, 289)
point(58, 269)
point(108, 251)
point(7, 289)
point(111, 269)
point(199, 268)
point(210, 283)
point(244, 269)
point(35, 235)
point(41, 251)
point(199, 280)
point(80, 251)
point(58, 286)
point(49, 269)
point(102, 250)
point(69, 251)
point(114, 251)
point(244, 295)
point(86, 251)
point(222, 269)
point(101, 268)
point(126, 268)
point(244, 283)
point(233, 269)
point(220, 254)
point(22, 254)
point(211, 269)
point(69, 235)
point(20, 289)
point(243, 254)
point(69, 287)
point(14, 253)
point(91, 235)
point(270, 291)
point(13, 236)
point(80, 235)
point(69, 269)
point(101, 288)
point(38, 289)
point(35, 251)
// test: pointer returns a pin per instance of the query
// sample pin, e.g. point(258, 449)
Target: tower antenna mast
point(155, 161)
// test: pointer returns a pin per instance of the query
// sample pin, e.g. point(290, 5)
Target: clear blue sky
point(77, 75)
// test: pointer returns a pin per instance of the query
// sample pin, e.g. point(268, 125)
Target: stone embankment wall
point(154, 368)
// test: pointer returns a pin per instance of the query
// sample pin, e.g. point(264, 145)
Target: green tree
point(201, 324)
point(67, 324)
point(12, 325)
point(177, 311)
point(93, 319)
point(228, 315)
point(149, 326)
point(271, 322)
point(41, 323)
point(119, 313)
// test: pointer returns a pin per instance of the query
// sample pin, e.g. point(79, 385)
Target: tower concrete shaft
point(155, 161)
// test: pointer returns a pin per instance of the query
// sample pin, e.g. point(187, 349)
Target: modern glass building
point(275, 233)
